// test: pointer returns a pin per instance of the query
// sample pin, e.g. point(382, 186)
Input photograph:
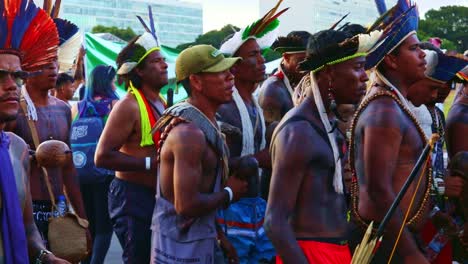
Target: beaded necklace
point(413, 221)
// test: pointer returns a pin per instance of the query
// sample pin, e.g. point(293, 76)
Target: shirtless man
point(276, 93)
point(242, 220)
point(192, 156)
point(11, 78)
point(440, 72)
point(127, 147)
point(307, 224)
point(457, 119)
point(387, 141)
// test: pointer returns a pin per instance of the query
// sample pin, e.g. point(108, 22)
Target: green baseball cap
point(201, 58)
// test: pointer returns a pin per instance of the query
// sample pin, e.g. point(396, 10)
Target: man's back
point(274, 99)
point(304, 168)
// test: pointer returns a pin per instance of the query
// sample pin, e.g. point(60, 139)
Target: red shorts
point(323, 253)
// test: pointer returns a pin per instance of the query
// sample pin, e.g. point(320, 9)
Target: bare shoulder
point(126, 107)
point(187, 136)
point(382, 111)
point(294, 138)
point(272, 87)
point(458, 114)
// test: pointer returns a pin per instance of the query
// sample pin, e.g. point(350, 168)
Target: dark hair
point(100, 83)
point(62, 79)
point(129, 53)
point(186, 84)
point(395, 52)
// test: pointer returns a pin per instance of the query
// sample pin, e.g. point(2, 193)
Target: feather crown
point(142, 47)
point(264, 31)
point(397, 24)
point(27, 29)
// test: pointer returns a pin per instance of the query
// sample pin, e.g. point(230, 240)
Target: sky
point(218, 13)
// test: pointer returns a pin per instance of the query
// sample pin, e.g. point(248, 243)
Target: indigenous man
point(307, 224)
point(387, 140)
point(51, 118)
point(276, 93)
point(457, 119)
point(193, 162)
point(440, 71)
point(18, 234)
point(64, 89)
point(127, 147)
point(242, 221)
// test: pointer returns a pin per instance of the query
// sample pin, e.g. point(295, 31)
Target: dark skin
point(302, 202)
point(247, 74)
point(19, 152)
point(189, 164)
point(119, 146)
point(383, 170)
point(53, 123)
point(457, 125)
point(275, 99)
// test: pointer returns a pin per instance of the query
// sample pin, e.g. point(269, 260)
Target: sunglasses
point(18, 76)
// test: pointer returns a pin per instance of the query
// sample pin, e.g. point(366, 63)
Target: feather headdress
point(330, 47)
point(27, 30)
point(443, 68)
point(397, 24)
point(295, 41)
point(70, 43)
point(263, 30)
point(143, 46)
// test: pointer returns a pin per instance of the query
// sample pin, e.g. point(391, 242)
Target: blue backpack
point(86, 130)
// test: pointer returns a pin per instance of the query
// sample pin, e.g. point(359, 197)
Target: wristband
point(231, 195)
point(148, 163)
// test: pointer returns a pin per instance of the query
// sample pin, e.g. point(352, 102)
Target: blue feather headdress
point(443, 68)
point(397, 24)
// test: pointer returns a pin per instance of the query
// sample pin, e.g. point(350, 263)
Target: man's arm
point(383, 128)
point(457, 130)
point(119, 127)
point(188, 146)
point(291, 156)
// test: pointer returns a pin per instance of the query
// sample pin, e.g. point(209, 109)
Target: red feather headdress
point(28, 30)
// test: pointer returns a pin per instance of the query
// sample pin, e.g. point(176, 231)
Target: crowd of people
point(290, 168)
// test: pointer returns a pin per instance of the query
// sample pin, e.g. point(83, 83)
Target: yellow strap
point(146, 137)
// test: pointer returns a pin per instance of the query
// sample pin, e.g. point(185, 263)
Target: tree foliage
point(123, 33)
point(449, 23)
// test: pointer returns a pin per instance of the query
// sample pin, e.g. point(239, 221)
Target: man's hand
point(52, 259)
point(453, 186)
point(415, 258)
point(238, 186)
